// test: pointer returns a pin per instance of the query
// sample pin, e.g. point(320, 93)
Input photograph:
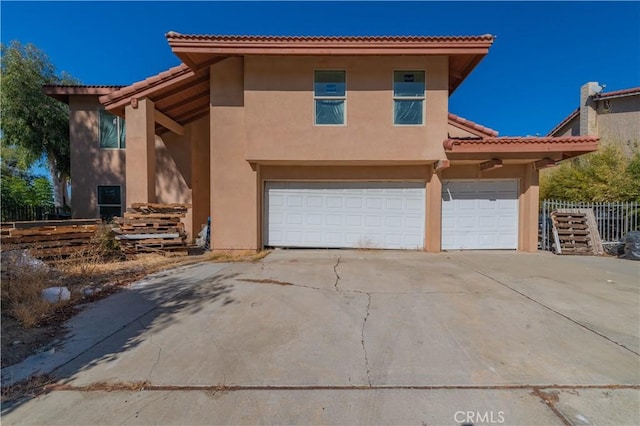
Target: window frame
point(395, 98)
point(98, 204)
point(329, 98)
point(119, 126)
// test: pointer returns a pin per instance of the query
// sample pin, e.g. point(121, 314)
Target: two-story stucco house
point(312, 142)
point(613, 116)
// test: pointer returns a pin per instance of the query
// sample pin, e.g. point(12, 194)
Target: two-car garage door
point(386, 215)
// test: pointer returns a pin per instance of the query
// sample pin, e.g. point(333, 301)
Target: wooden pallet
point(49, 239)
point(575, 232)
point(153, 228)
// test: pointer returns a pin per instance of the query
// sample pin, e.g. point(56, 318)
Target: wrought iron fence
point(31, 213)
point(614, 220)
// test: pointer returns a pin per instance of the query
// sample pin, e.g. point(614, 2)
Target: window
point(109, 201)
point(112, 131)
point(329, 93)
point(408, 97)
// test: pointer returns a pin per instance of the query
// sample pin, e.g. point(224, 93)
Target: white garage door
point(480, 214)
point(386, 215)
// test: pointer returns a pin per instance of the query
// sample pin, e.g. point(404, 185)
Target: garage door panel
point(345, 214)
point(480, 214)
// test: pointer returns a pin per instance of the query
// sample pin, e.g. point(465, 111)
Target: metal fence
point(614, 220)
point(31, 213)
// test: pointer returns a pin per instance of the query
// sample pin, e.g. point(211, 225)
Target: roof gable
point(465, 52)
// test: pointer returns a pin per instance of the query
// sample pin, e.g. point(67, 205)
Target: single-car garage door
point(479, 214)
point(386, 215)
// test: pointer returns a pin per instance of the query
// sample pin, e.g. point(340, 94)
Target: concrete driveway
point(358, 337)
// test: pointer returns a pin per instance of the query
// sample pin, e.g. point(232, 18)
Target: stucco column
point(433, 226)
point(529, 210)
point(141, 153)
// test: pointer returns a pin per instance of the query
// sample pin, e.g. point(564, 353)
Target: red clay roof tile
point(364, 39)
point(472, 126)
point(486, 144)
point(157, 79)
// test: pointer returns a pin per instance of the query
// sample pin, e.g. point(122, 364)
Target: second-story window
point(408, 97)
point(330, 95)
point(112, 131)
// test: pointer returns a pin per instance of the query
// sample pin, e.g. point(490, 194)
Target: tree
point(606, 175)
point(19, 187)
point(32, 122)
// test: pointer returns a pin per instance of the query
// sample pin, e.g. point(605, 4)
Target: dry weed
point(33, 386)
point(21, 293)
point(236, 256)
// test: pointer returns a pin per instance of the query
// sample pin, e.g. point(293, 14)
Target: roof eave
point(474, 48)
point(63, 93)
point(481, 148)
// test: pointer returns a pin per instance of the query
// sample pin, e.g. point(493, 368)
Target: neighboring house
point(313, 142)
point(612, 116)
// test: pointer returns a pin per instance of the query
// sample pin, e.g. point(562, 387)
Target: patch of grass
point(224, 256)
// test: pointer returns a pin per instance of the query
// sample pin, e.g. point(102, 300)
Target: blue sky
point(528, 82)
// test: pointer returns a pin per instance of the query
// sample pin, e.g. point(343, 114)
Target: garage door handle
point(450, 196)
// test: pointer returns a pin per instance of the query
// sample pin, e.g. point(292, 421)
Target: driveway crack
point(335, 271)
point(364, 347)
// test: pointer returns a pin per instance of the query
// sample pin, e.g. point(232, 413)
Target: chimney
point(588, 121)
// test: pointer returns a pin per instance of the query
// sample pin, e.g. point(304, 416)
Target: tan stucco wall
point(617, 123)
point(261, 121)
point(620, 123)
point(182, 170)
point(90, 165)
point(234, 195)
point(570, 128)
point(279, 110)
point(457, 132)
point(178, 165)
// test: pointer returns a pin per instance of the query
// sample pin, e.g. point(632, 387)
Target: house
point(612, 116)
point(312, 142)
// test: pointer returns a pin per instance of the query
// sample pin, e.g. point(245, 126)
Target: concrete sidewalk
point(99, 321)
point(367, 337)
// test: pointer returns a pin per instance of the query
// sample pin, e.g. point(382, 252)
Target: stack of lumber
point(49, 239)
point(152, 227)
point(575, 232)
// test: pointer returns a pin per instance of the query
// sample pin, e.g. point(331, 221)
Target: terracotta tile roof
point(155, 80)
point(517, 144)
point(178, 92)
point(464, 52)
point(570, 117)
point(615, 93)
point(172, 35)
point(471, 126)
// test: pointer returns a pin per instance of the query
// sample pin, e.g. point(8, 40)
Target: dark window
point(109, 201)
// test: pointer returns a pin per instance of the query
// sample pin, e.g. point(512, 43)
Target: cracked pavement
point(366, 337)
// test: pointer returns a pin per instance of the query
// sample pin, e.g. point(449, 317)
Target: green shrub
point(606, 175)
